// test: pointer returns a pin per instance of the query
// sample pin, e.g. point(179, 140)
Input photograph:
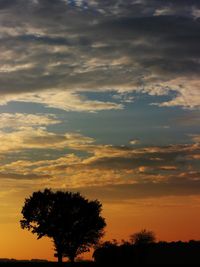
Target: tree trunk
point(60, 259)
point(72, 259)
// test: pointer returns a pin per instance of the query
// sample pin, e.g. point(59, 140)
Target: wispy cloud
point(16, 120)
point(61, 99)
point(40, 138)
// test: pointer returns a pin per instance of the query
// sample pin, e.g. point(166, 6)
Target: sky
point(101, 97)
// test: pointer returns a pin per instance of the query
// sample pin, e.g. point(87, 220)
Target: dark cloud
point(5, 4)
point(98, 45)
point(154, 160)
point(142, 190)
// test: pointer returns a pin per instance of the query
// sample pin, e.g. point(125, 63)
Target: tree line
point(126, 253)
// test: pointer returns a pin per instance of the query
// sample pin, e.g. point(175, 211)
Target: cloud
point(11, 68)
point(166, 11)
point(195, 157)
point(23, 176)
point(99, 46)
point(61, 99)
point(40, 138)
point(134, 142)
point(102, 165)
point(65, 55)
point(187, 92)
point(196, 138)
point(196, 13)
point(125, 192)
point(16, 120)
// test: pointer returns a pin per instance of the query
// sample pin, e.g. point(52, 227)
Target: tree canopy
point(143, 237)
point(72, 221)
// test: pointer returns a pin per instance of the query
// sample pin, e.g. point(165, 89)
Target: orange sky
point(170, 218)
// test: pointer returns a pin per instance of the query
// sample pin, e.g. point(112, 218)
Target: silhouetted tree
point(73, 222)
point(142, 241)
point(143, 237)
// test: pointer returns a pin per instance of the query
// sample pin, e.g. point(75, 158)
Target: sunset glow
point(101, 97)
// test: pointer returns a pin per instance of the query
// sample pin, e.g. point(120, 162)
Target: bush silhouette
point(143, 237)
point(73, 222)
